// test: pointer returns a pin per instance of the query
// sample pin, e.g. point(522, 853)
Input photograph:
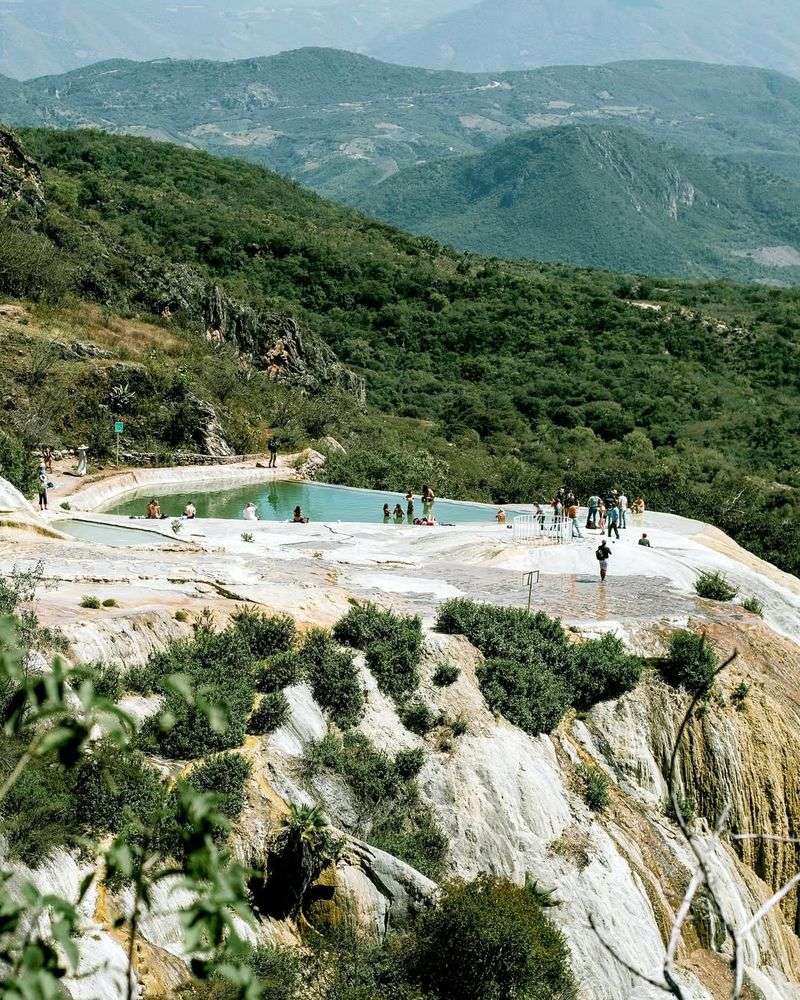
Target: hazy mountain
point(603, 197)
point(340, 122)
point(51, 36)
point(515, 34)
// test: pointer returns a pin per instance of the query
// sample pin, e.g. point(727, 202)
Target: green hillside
point(602, 197)
point(494, 380)
point(339, 122)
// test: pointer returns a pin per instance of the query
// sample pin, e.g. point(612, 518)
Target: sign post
point(119, 427)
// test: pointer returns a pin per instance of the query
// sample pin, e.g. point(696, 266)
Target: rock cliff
point(20, 177)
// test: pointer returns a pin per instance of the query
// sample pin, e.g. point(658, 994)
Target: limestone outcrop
point(20, 177)
point(508, 802)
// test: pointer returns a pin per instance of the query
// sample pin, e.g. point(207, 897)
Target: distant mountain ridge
point(39, 37)
point(339, 122)
point(603, 197)
point(519, 34)
point(382, 137)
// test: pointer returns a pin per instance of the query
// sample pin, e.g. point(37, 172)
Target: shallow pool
point(108, 534)
point(276, 500)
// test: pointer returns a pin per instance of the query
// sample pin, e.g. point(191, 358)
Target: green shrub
point(17, 465)
point(225, 775)
point(529, 695)
point(181, 615)
point(410, 762)
point(506, 633)
point(417, 717)
point(446, 674)
point(392, 816)
point(690, 662)
point(219, 669)
point(414, 836)
point(279, 972)
point(91, 602)
point(458, 726)
point(687, 806)
point(264, 634)
point(107, 680)
point(490, 940)
point(279, 671)
point(392, 643)
point(248, 536)
point(754, 605)
point(270, 714)
point(333, 677)
point(715, 587)
point(594, 785)
point(110, 602)
point(601, 670)
point(739, 695)
point(52, 806)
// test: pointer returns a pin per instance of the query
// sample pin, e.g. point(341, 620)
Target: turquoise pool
point(275, 501)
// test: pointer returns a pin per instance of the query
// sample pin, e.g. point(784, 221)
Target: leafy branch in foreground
point(56, 715)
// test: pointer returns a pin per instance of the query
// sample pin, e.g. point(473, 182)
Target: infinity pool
point(275, 501)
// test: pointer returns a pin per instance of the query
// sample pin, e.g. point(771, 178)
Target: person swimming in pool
point(398, 512)
point(298, 517)
point(387, 513)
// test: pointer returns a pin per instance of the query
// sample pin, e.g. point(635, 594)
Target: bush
point(417, 717)
point(410, 762)
point(224, 775)
point(110, 602)
point(181, 616)
point(490, 940)
point(446, 674)
point(51, 806)
point(17, 465)
point(690, 662)
point(392, 643)
point(715, 587)
point(506, 633)
point(264, 634)
point(754, 605)
point(219, 670)
point(333, 677)
point(594, 786)
point(459, 726)
point(270, 714)
point(601, 670)
point(107, 680)
point(529, 695)
point(278, 672)
point(392, 816)
point(89, 601)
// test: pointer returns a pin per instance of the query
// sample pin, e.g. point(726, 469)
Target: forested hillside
point(603, 197)
point(493, 379)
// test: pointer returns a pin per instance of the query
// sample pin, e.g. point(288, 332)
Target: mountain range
point(51, 36)
point(423, 148)
point(518, 34)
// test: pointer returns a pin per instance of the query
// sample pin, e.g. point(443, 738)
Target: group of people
point(398, 515)
point(605, 513)
point(250, 513)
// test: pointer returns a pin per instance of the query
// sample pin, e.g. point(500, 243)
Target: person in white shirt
point(622, 500)
point(190, 511)
point(250, 513)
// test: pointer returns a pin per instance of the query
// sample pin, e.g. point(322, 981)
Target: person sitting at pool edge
point(153, 510)
point(644, 540)
point(190, 511)
point(298, 517)
point(501, 516)
point(250, 513)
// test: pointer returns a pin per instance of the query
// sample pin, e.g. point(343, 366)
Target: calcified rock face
point(20, 178)
point(508, 802)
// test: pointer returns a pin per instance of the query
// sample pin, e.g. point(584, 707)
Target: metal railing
point(542, 529)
